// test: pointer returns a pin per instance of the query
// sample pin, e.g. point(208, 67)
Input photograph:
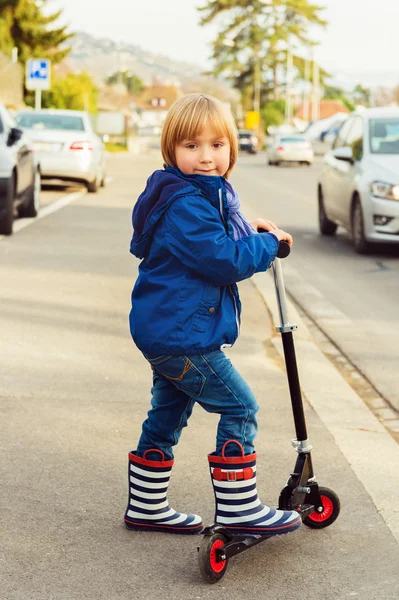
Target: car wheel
point(326, 226)
point(32, 207)
point(359, 241)
point(7, 207)
point(103, 180)
point(92, 186)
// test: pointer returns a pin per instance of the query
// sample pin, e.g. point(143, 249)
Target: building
point(328, 108)
point(152, 106)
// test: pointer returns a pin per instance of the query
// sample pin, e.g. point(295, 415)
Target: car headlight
point(385, 190)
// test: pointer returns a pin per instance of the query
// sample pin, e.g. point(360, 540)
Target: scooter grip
point(284, 248)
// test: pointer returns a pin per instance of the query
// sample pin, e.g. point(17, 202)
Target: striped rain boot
point(148, 508)
point(238, 507)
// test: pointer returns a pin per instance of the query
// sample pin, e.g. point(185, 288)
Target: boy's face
point(206, 154)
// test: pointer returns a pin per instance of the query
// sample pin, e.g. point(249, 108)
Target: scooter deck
point(235, 544)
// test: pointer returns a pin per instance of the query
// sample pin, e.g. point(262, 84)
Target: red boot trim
point(226, 460)
point(150, 463)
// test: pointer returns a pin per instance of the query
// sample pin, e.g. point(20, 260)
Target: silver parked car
point(67, 146)
point(19, 174)
point(289, 148)
point(359, 184)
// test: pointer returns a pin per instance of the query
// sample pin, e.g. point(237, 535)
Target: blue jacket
point(185, 300)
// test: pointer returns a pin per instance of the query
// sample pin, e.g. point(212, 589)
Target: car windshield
point(244, 133)
point(292, 140)
point(384, 136)
point(48, 121)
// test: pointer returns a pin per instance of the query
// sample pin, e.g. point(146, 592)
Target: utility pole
point(288, 99)
point(316, 92)
point(257, 82)
point(257, 88)
point(306, 91)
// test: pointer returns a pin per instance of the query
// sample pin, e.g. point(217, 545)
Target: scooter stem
point(285, 325)
point(286, 329)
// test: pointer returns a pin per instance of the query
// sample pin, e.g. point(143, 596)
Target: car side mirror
point(344, 154)
point(14, 136)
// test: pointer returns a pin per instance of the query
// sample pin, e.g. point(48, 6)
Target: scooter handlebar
point(284, 248)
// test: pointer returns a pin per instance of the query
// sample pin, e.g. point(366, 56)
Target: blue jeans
point(211, 381)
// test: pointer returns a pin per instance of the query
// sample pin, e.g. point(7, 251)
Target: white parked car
point(66, 145)
point(289, 148)
point(323, 142)
point(19, 174)
point(359, 184)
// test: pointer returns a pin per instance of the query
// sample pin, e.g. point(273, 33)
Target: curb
point(370, 450)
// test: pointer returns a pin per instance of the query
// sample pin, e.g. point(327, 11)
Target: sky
point(360, 44)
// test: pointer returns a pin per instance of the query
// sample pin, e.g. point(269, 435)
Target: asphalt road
point(353, 298)
point(73, 393)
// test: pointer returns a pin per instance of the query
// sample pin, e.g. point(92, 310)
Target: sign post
point(37, 77)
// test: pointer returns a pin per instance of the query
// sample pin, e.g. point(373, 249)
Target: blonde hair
point(185, 120)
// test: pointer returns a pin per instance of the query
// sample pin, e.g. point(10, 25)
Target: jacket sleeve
point(197, 237)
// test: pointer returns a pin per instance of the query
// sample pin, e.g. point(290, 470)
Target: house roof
point(157, 97)
point(328, 108)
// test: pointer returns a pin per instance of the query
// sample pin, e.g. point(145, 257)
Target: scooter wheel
point(330, 512)
point(211, 568)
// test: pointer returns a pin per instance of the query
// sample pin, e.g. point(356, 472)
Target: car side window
point(355, 138)
point(340, 140)
point(1, 126)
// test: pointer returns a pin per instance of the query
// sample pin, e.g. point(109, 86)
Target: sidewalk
point(73, 395)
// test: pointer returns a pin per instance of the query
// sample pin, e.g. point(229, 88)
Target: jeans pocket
point(157, 360)
point(182, 372)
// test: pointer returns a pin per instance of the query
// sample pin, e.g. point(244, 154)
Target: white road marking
point(48, 210)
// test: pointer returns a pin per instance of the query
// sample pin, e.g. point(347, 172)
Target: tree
point(24, 25)
point(75, 91)
point(273, 113)
point(332, 92)
point(252, 44)
point(362, 95)
point(132, 83)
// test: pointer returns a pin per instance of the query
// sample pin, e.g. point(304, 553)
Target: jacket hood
point(162, 188)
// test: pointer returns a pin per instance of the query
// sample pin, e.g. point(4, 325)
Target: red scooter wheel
point(330, 512)
point(212, 569)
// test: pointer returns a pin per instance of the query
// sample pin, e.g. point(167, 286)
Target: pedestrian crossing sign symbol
point(38, 74)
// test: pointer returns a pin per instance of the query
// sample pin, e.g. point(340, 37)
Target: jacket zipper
point(230, 290)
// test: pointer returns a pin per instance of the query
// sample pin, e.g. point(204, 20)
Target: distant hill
point(102, 57)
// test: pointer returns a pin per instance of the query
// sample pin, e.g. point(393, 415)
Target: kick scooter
point(318, 506)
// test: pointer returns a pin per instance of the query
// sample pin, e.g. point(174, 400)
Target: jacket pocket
point(181, 372)
point(208, 308)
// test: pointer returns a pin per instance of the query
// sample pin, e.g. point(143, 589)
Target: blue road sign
point(38, 74)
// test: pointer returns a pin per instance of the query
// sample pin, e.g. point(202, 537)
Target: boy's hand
point(271, 227)
point(283, 235)
point(263, 224)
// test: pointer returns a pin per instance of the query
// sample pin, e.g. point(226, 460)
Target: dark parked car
point(247, 140)
point(19, 174)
